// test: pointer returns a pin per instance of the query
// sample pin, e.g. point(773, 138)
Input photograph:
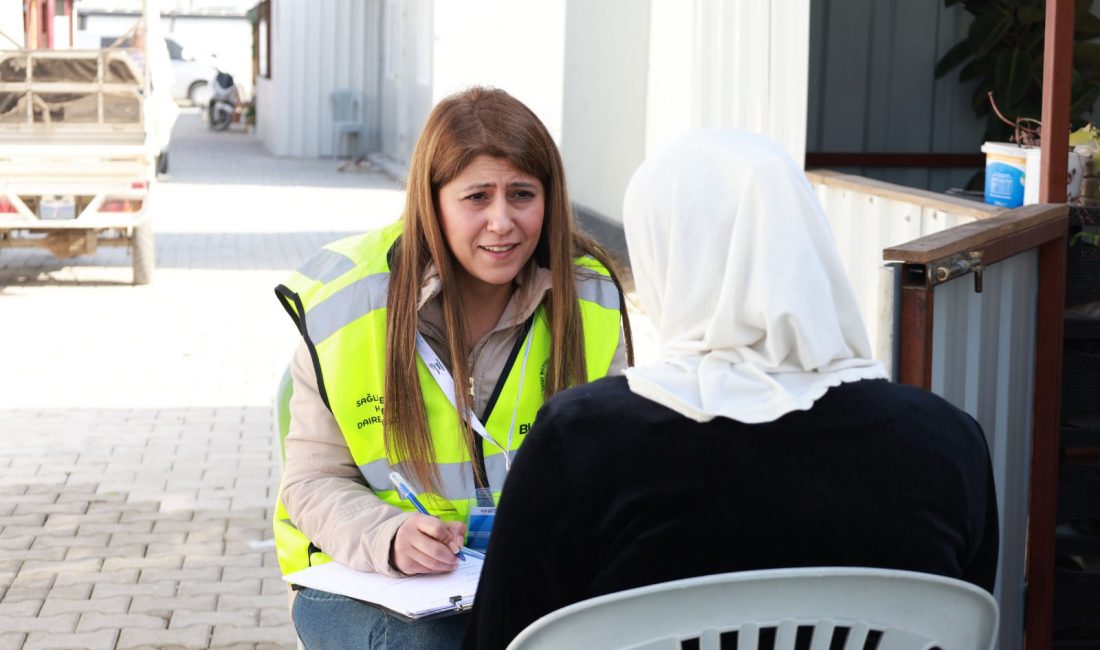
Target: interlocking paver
point(112, 605)
point(227, 634)
point(75, 591)
point(237, 618)
point(159, 589)
point(188, 637)
point(56, 623)
point(165, 606)
point(20, 608)
point(100, 639)
point(97, 621)
point(118, 576)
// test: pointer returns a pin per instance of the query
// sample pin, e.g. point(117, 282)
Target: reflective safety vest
point(338, 301)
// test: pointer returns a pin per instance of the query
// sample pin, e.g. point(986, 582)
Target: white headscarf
point(734, 262)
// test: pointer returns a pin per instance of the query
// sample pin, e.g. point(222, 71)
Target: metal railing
point(966, 300)
point(867, 216)
point(980, 323)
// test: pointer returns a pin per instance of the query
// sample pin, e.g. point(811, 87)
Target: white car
point(192, 76)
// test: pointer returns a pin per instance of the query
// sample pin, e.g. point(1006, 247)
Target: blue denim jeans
point(327, 621)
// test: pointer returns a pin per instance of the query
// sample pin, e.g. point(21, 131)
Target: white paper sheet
point(412, 597)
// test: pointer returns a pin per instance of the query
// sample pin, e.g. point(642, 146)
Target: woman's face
point(492, 217)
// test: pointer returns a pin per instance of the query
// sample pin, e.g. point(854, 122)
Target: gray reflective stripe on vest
point(346, 305)
point(597, 288)
point(326, 266)
point(457, 478)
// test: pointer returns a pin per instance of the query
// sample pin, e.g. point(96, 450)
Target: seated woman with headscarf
point(764, 435)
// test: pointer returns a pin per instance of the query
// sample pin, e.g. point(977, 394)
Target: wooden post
point(1057, 72)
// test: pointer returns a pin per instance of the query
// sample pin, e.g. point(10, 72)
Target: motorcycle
point(223, 102)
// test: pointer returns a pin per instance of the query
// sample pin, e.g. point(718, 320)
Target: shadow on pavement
point(192, 251)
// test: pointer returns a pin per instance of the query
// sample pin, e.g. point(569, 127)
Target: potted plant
point(1002, 55)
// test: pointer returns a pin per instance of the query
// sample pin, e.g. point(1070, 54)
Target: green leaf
point(979, 7)
point(1083, 101)
point(1086, 58)
point(986, 31)
point(956, 55)
point(1080, 8)
point(1086, 27)
point(1037, 72)
point(976, 69)
point(1012, 76)
point(1031, 14)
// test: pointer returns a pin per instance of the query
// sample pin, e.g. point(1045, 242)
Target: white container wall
point(729, 63)
point(11, 25)
point(432, 49)
point(404, 90)
point(867, 216)
point(983, 362)
point(518, 46)
point(640, 73)
point(605, 99)
point(317, 47)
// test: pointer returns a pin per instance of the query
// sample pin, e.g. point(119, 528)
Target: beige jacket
point(322, 489)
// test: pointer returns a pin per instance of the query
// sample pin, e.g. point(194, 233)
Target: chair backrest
point(860, 608)
point(346, 106)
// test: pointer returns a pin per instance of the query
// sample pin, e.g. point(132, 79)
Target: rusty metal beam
point(1057, 72)
point(51, 13)
point(1046, 419)
point(915, 351)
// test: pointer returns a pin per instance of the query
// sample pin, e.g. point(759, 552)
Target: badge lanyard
point(447, 385)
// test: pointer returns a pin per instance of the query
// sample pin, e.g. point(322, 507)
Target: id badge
point(479, 519)
point(479, 526)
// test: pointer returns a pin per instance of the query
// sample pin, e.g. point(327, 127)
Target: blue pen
point(405, 492)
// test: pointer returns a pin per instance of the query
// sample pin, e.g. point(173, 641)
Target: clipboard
point(410, 598)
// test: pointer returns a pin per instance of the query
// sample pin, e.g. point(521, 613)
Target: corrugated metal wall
point(872, 87)
point(318, 46)
point(405, 84)
point(983, 362)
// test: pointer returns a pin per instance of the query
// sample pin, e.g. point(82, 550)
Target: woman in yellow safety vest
point(427, 348)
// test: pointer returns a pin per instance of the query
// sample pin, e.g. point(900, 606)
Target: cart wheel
point(162, 162)
point(143, 253)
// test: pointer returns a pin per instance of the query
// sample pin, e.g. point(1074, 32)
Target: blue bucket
point(1005, 172)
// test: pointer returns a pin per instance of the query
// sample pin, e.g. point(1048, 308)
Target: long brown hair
point(474, 122)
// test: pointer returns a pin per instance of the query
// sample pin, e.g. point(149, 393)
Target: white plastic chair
point(903, 610)
point(347, 119)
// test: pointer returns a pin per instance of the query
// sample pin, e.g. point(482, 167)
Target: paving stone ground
point(137, 456)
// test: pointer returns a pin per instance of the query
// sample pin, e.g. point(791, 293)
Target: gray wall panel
point(983, 362)
point(872, 89)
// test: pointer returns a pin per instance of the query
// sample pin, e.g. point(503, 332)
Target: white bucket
point(1005, 169)
point(1074, 172)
